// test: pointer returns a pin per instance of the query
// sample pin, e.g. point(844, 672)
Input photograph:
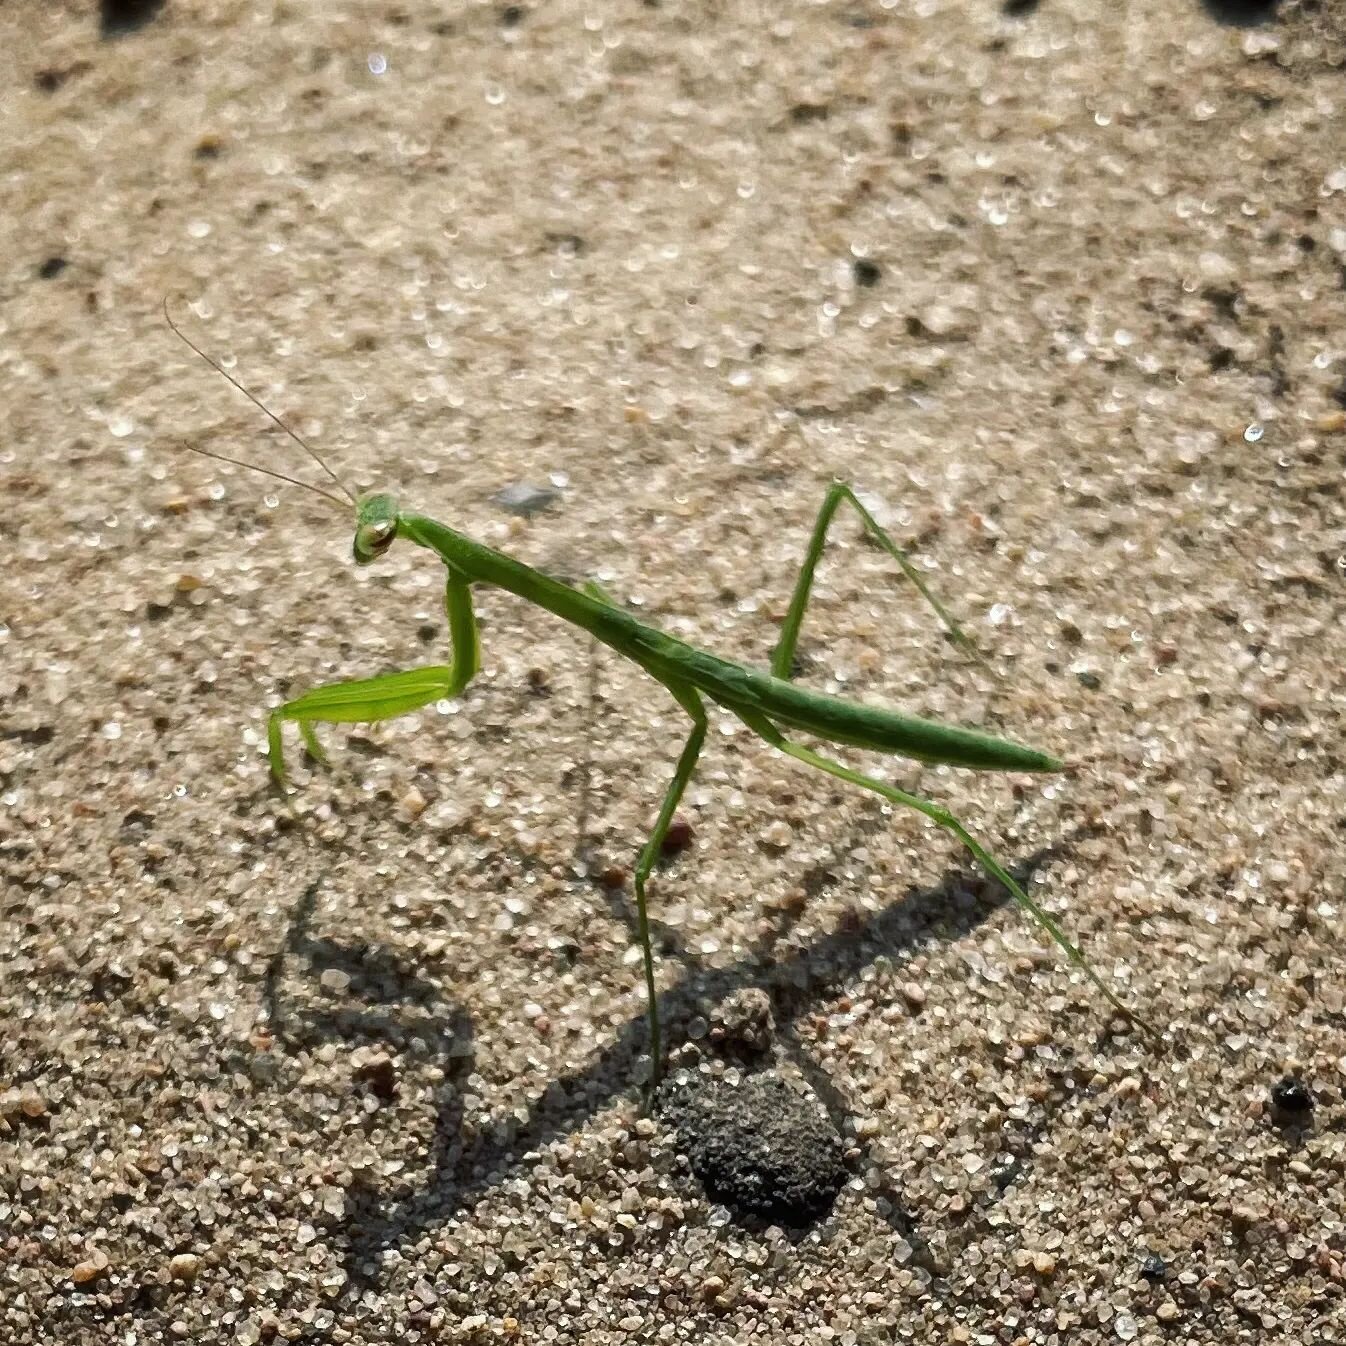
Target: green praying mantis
point(768, 703)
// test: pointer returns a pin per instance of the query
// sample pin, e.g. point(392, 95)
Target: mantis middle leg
point(364, 700)
point(691, 702)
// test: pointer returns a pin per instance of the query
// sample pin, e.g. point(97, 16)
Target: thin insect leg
point(592, 589)
point(365, 700)
point(315, 749)
point(782, 657)
point(361, 701)
point(688, 699)
point(943, 818)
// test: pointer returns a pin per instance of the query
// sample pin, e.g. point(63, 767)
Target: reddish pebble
point(678, 837)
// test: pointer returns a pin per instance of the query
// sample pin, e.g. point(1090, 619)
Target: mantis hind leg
point(691, 702)
point(763, 727)
point(365, 700)
point(782, 658)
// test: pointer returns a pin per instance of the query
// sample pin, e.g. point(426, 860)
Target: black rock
point(1153, 1268)
point(866, 273)
point(760, 1147)
point(1291, 1097)
point(116, 18)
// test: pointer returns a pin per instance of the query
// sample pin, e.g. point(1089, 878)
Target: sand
point(1062, 293)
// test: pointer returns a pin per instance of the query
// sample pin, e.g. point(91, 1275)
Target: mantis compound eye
point(373, 539)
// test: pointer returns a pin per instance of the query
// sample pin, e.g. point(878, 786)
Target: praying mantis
point(767, 702)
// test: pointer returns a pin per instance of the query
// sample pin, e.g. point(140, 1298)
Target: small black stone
point(52, 267)
point(1154, 1268)
point(116, 18)
point(760, 1147)
point(867, 273)
point(1241, 13)
point(1291, 1096)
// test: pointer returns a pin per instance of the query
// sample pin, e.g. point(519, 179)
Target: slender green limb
point(688, 699)
point(315, 749)
point(943, 818)
point(365, 700)
point(463, 634)
point(359, 702)
point(599, 594)
point(782, 658)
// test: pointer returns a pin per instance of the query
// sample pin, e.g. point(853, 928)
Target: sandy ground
point(1061, 292)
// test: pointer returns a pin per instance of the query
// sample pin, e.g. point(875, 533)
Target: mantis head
point(375, 527)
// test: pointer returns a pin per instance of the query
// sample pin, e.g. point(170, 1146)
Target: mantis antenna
point(257, 402)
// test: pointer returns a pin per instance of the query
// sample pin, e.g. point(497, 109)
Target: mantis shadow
point(461, 1170)
point(377, 978)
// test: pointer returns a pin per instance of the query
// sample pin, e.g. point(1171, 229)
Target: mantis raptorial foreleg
point(688, 699)
point(943, 818)
point(365, 700)
point(782, 658)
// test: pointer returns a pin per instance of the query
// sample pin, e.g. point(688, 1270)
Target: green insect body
point(767, 702)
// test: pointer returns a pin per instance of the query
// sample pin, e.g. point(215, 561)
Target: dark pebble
point(1154, 1268)
point(380, 1074)
point(866, 273)
point(1291, 1097)
point(119, 17)
point(677, 838)
point(760, 1147)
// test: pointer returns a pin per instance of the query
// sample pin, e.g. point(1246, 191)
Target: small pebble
point(742, 1022)
point(84, 1272)
point(380, 1074)
point(184, 1267)
point(1153, 1268)
point(411, 805)
point(678, 837)
point(867, 274)
point(524, 500)
point(1291, 1097)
